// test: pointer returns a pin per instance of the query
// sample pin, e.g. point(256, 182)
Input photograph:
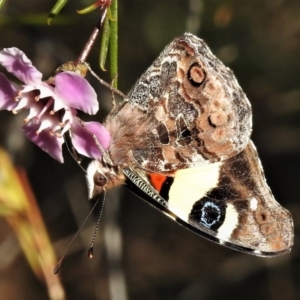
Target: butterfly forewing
point(187, 108)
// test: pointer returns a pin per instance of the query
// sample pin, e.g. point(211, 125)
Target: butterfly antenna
point(58, 265)
point(91, 250)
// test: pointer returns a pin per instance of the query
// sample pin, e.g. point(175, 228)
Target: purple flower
point(52, 106)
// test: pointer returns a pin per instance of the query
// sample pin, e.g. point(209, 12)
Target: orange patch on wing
point(157, 180)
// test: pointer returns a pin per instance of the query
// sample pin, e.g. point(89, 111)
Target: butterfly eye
point(99, 179)
point(196, 75)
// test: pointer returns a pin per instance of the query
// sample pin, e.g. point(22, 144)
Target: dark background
point(260, 41)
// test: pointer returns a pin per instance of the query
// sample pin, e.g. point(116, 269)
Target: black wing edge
point(130, 185)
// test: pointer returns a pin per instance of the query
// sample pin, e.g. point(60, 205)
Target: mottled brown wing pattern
point(228, 202)
point(182, 138)
point(190, 108)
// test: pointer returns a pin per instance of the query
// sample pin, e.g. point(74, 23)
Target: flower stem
point(89, 44)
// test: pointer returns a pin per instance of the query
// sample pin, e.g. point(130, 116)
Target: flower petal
point(75, 91)
point(45, 90)
point(83, 141)
point(8, 92)
point(50, 144)
point(17, 63)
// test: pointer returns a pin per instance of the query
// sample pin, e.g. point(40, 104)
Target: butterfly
point(181, 141)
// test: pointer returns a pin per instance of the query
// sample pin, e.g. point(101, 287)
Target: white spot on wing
point(230, 223)
point(190, 185)
point(257, 252)
point(253, 204)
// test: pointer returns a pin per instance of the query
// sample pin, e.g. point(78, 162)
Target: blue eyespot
point(209, 213)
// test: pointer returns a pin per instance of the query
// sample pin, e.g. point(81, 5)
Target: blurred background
point(139, 253)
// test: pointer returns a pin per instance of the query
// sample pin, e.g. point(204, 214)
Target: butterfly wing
point(227, 202)
point(185, 110)
point(182, 137)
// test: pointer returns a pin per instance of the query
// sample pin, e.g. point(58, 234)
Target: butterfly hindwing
point(228, 202)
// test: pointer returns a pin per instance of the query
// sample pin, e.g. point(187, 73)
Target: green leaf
point(88, 9)
point(104, 44)
point(114, 42)
point(56, 9)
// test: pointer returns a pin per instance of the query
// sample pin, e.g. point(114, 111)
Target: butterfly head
point(100, 176)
